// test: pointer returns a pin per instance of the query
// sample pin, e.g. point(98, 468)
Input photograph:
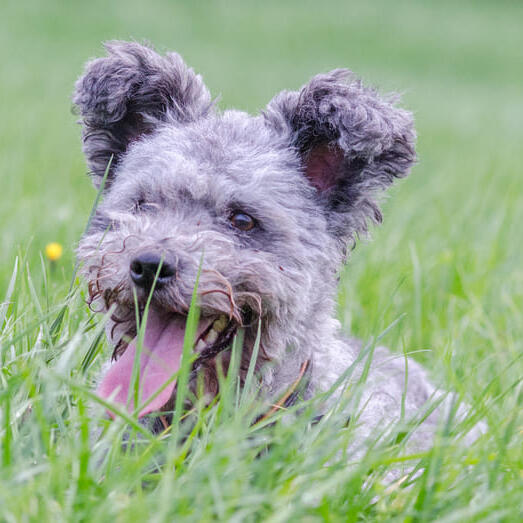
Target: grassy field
point(447, 264)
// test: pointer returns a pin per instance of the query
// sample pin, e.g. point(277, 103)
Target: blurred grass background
point(449, 254)
point(458, 65)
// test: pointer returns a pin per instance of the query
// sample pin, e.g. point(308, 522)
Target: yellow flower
point(53, 251)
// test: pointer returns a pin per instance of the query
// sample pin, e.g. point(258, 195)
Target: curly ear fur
point(127, 94)
point(352, 142)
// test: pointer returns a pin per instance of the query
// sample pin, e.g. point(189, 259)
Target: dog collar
point(291, 395)
point(288, 399)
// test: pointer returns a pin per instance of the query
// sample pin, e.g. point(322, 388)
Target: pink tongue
point(160, 358)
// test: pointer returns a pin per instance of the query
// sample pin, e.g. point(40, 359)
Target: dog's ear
point(351, 142)
point(126, 94)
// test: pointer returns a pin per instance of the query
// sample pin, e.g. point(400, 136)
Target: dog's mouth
point(159, 359)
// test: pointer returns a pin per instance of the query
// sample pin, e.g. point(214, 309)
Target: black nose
point(145, 267)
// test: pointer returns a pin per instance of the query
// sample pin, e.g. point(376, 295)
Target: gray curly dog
point(263, 208)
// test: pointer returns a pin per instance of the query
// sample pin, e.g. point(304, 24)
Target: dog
point(261, 210)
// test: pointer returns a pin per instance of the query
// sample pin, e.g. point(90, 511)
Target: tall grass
point(221, 464)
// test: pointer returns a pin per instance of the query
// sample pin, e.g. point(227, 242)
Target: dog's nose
point(145, 267)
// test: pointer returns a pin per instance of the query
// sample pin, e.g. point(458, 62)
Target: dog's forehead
point(229, 156)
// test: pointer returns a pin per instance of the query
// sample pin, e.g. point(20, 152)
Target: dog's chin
point(153, 357)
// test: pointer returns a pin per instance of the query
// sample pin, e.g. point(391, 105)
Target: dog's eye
point(242, 221)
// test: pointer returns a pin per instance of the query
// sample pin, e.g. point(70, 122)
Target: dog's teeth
point(220, 324)
point(200, 345)
point(211, 337)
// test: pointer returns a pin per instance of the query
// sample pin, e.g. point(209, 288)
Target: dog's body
point(264, 207)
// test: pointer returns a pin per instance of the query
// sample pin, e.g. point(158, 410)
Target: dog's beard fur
point(217, 298)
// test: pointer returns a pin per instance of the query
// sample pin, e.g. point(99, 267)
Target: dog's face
point(262, 208)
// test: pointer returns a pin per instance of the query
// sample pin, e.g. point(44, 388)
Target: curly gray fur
point(307, 169)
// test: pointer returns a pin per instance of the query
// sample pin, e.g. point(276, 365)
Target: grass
point(447, 264)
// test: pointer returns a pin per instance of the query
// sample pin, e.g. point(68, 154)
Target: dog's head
point(264, 207)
